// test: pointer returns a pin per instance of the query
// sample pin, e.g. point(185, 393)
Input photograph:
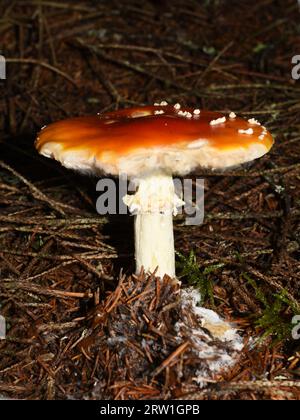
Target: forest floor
point(65, 271)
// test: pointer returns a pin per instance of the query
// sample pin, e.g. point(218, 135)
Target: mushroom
point(149, 144)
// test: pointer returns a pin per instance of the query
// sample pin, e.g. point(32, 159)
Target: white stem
point(154, 204)
point(154, 243)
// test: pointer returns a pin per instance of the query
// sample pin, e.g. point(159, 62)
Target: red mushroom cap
point(139, 139)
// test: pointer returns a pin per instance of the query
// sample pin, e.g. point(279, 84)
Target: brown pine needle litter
point(141, 336)
point(78, 324)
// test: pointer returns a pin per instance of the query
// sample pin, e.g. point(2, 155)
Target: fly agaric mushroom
point(150, 144)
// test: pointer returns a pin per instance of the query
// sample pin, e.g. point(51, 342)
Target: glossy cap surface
point(141, 139)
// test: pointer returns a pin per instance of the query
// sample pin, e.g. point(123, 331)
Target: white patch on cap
point(44, 126)
point(253, 121)
point(218, 121)
point(156, 104)
point(177, 106)
point(232, 115)
point(263, 133)
point(197, 144)
point(159, 112)
point(185, 114)
point(163, 103)
point(196, 111)
point(249, 131)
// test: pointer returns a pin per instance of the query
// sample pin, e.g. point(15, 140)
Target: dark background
point(58, 258)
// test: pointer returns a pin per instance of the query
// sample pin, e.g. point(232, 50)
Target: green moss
point(188, 269)
point(277, 312)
